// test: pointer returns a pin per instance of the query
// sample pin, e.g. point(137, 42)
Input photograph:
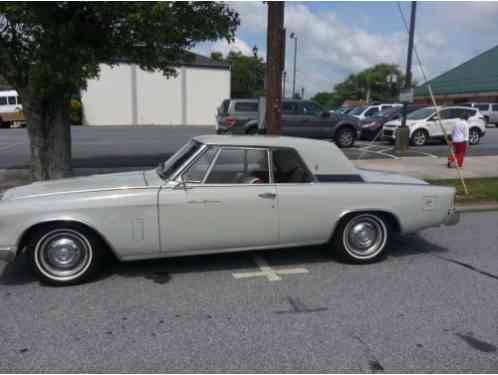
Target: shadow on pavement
point(160, 270)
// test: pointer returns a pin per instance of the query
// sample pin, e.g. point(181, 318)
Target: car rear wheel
point(474, 136)
point(65, 255)
point(362, 238)
point(252, 130)
point(345, 137)
point(419, 137)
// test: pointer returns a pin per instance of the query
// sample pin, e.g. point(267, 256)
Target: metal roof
point(321, 157)
point(478, 75)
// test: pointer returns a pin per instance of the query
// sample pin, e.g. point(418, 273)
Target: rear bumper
point(8, 253)
point(453, 218)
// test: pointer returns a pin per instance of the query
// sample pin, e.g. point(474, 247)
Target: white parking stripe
point(12, 145)
point(267, 271)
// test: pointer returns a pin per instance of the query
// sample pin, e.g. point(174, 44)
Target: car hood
point(78, 184)
point(389, 178)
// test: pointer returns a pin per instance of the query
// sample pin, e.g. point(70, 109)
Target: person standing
point(459, 140)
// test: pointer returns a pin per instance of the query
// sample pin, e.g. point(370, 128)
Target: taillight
point(230, 122)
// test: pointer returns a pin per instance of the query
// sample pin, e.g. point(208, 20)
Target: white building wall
point(190, 98)
point(206, 89)
point(107, 100)
point(159, 99)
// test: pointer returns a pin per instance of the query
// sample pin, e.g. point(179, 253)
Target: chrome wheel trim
point(419, 138)
point(474, 137)
point(346, 138)
point(63, 254)
point(365, 236)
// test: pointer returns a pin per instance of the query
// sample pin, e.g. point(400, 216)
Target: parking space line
point(267, 271)
point(11, 146)
point(378, 152)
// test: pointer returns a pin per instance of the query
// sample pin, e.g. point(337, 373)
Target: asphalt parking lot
point(145, 146)
point(429, 306)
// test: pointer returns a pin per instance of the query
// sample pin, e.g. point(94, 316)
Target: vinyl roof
point(478, 75)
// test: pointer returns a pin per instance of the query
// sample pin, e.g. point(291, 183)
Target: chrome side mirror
point(178, 184)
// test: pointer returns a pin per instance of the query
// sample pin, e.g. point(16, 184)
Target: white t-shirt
point(460, 132)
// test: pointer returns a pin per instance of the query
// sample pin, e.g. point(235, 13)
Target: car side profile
point(217, 194)
point(300, 118)
point(424, 125)
point(488, 110)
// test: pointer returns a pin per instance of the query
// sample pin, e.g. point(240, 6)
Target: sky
point(336, 39)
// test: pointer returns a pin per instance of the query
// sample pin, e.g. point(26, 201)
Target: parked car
point(372, 126)
point(10, 109)
point(300, 118)
point(370, 110)
point(488, 110)
point(343, 110)
point(424, 126)
point(217, 194)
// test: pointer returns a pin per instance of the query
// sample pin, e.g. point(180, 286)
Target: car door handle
point(267, 195)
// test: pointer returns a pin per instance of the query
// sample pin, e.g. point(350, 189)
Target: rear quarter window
point(482, 107)
point(3, 100)
point(246, 107)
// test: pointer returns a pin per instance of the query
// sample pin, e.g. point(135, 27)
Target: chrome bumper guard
point(453, 218)
point(7, 254)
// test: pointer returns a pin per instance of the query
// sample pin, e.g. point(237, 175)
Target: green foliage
point(372, 83)
point(248, 73)
point(51, 49)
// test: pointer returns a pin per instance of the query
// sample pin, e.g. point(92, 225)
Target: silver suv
point(488, 110)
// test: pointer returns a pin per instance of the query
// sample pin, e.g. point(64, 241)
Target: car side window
point(197, 171)
point(12, 100)
point(289, 108)
point(240, 166)
point(3, 100)
point(495, 107)
point(309, 108)
point(288, 167)
point(372, 111)
point(443, 115)
point(482, 107)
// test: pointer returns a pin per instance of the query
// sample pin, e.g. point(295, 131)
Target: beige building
point(128, 95)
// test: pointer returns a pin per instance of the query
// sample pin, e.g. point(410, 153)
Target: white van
point(10, 108)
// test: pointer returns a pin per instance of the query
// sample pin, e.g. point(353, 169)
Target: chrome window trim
point(231, 147)
point(186, 164)
point(202, 152)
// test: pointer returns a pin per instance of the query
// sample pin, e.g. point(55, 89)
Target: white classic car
point(217, 194)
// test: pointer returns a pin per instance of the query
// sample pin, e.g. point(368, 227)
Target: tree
point(328, 100)
point(49, 50)
point(248, 73)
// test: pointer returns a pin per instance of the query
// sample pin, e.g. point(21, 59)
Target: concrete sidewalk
point(433, 168)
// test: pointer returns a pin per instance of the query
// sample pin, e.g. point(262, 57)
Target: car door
point(446, 121)
point(303, 216)
point(226, 201)
point(319, 124)
point(292, 119)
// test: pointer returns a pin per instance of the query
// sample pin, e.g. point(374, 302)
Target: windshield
point(357, 111)
point(166, 169)
point(420, 114)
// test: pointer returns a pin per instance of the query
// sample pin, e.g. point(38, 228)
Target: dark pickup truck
point(300, 118)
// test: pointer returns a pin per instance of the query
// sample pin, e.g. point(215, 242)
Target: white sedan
point(217, 194)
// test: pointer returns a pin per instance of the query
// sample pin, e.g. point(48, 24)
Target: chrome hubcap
point(474, 137)
point(365, 236)
point(419, 138)
point(346, 138)
point(63, 254)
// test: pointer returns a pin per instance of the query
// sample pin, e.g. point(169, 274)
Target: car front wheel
point(345, 137)
point(65, 255)
point(419, 137)
point(362, 238)
point(474, 136)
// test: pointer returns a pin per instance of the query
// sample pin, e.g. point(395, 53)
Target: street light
point(294, 36)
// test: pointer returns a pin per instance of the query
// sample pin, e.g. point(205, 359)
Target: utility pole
point(274, 65)
point(294, 36)
point(402, 137)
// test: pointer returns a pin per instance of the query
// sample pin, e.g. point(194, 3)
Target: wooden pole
point(274, 65)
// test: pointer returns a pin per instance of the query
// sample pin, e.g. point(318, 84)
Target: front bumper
point(453, 218)
point(8, 253)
